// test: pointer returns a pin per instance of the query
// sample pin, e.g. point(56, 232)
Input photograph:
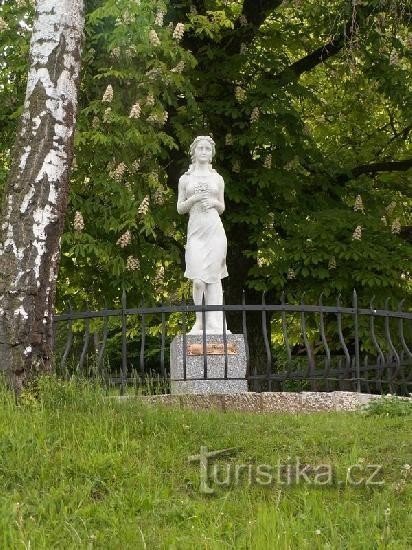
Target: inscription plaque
point(211, 349)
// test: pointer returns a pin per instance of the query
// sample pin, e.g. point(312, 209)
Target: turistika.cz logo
point(292, 471)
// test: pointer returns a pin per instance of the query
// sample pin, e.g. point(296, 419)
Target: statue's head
point(202, 150)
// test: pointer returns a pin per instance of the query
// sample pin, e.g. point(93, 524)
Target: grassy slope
point(80, 471)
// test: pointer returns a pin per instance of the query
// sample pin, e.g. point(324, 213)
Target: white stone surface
point(201, 195)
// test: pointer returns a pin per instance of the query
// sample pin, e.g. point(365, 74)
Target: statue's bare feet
point(213, 329)
point(196, 329)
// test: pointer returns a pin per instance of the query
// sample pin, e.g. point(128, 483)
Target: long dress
point(206, 244)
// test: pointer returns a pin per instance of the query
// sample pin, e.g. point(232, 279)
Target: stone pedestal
point(195, 383)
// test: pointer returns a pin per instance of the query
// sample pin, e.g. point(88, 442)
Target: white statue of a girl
point(201, 194)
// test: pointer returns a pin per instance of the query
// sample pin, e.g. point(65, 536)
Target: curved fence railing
point(289, 347)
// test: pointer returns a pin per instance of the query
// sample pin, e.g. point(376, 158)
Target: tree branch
point(386, 166)
point(256, 11)
point(402, 134)
point(331, 48)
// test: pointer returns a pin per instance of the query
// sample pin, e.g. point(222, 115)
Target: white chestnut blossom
point(158, 118)
point(159, 196)
point(135, 110)
point(78, 223)
point(358, 206)
point(254, 117)
point(228, 139)
point(127, 18)
point(159, 18)
point(243, 20)
point(144, 206)
point(159, 277)
point(153, 38)
point(154, 73)
point(118, 173)
point(268, 161)
point(240, 94)
point(179, 67)
point(132, 263)
point(107, 114)
point(291, 274)
point(3, 25)
point(357, 234)
point(135, 165)
point(125, 239)
point(391, 207)
point(108, 94)
point(115, 52)
point(396, 227)
point(394, 58)
point(179, 31)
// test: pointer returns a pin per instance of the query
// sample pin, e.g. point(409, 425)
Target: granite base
point(215, 383)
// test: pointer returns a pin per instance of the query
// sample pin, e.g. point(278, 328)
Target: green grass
point(79, 470)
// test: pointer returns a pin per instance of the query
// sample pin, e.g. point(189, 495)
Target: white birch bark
point(36, 191)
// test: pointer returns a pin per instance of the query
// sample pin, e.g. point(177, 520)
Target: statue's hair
point(193, 148)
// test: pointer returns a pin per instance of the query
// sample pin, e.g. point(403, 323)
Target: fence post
point(244, 330)
point(267, 344)
point(357, 354)
point(124, 346)
point(69, 343)
point(204, 341)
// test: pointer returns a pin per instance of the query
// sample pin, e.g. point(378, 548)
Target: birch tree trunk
point(36, 192)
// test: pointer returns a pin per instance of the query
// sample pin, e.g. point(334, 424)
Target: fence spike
point(184, 340)
point(224, 334)
point(123, 374)
point(311, 362)
point(245, 335)
point(357, 348)
point(380, 359)
point(401, 334)
point(266, 342)
point(163, 341)
point(85, 345)
point(103, 344)
point(288, 374)
point(142, 344)
point(392, 348)
point(324, 341)
point(342, 340)
point(204, 340)
point(68, 345)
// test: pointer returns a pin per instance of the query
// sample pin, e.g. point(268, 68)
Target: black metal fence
point(289, 347)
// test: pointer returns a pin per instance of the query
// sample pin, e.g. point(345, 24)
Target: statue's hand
point(207, 204)
point(199, 197)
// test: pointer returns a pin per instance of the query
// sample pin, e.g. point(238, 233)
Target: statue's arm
point(219, 204)
point(183, 205)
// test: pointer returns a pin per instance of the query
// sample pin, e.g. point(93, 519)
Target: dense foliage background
point(310, 106)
